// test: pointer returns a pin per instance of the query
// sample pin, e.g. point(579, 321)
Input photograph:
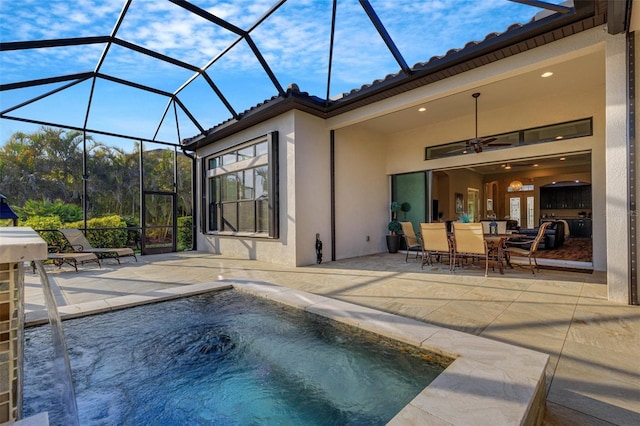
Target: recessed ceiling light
point(553, 183)
point(535, 165)
point(562, 158)
point(422, 109)
point(546, 74)
point(577, 181)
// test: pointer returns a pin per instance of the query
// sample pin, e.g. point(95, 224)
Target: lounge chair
point(73, 259)
point(80, 244)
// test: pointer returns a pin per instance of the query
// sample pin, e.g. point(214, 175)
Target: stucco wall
point(362, 193)
point(312, 179)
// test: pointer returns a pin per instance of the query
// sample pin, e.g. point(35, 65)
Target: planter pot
point(393, 243)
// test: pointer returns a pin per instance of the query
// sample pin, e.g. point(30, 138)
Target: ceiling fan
point(478, 143)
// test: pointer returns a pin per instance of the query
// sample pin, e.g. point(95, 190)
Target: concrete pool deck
point(593, 374)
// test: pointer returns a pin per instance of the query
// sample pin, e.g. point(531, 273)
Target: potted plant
point(464, 217)
point(393, 240)
point(405, 207)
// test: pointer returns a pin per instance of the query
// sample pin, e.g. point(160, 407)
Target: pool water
point(225, 358)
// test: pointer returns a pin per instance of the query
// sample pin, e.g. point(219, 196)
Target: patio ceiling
point(569, 78)
point(198, 95)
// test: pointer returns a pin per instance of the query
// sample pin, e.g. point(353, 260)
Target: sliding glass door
point(410, 190)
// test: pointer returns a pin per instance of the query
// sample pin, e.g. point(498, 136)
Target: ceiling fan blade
point(487, 140)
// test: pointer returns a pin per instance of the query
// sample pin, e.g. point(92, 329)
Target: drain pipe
point(194, 233)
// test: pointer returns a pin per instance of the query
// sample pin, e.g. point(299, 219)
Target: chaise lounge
point(73, 259)
point(80, 244)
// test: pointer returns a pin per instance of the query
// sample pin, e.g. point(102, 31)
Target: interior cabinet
point(566, 197)
point(580, 228)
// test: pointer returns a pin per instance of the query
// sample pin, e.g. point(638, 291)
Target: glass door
point(473, 204)
point(522, 208)
point(410, 191)
point(515, 211)
point(160, 223)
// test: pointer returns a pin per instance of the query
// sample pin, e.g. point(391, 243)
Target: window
point(524, 188)
point(549, 133)
point(242, 189)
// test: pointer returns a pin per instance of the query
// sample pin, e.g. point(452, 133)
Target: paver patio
point(593, 377)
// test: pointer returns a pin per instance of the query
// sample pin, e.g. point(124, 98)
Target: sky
point(294, 41)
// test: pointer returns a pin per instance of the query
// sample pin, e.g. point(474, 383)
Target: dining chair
point(468, 241)
point(486, 226)
point(410, 238)
point(526, 248)
point(435, 242)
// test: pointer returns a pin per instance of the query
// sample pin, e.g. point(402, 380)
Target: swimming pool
point(216, 358)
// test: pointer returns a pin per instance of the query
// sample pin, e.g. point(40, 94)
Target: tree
point(46, 168)
point(45, 165)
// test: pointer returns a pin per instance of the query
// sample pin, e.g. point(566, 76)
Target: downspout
point(332, 156)
point(194, 233)
point(142, 199)
point(85, 178)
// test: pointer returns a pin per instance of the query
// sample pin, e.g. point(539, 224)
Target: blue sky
point(294, 41)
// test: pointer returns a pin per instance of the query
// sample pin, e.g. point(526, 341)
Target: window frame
point(521, 139)
point(214, 170)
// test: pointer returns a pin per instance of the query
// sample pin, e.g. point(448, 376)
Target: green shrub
point(53, 238)
point(65, 211)
point(133, 235)
point(185, 233)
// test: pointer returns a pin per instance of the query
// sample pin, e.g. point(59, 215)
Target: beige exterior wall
point(616, 157)
point(312, 213)
point(362, 193)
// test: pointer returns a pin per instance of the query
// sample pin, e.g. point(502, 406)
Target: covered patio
point(593, 374)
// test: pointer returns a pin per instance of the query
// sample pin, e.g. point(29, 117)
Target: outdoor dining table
point(498, 242)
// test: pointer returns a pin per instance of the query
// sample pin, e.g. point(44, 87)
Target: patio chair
point(435, 242)
point(469, 242)
point(79, 243)
point(74, 259)
point(526, 248)
point(410, 238)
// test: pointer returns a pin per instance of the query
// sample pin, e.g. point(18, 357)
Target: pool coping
point(489, 382)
